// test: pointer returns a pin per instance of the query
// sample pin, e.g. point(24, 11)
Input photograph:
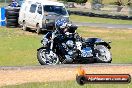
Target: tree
point(119, 2)
point(129, 3)
point(81, 1)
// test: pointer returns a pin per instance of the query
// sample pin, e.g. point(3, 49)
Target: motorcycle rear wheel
point(103, 54)
point(45, 58)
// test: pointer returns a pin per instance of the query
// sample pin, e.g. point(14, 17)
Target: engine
point(72, 49)
point(85, 51)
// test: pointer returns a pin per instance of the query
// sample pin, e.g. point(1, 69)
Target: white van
point(40, 14)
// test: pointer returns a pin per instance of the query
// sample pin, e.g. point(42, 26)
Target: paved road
point(122, 26)
point(61, 66)
point(29, 74)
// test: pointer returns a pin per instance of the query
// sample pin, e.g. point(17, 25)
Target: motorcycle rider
point(14, 3)
point(63, 25)
point(64, 45)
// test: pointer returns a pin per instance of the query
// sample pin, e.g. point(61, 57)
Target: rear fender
point(98, 41)
point(105, 44)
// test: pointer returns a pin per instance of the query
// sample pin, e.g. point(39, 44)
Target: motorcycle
point(70, 48)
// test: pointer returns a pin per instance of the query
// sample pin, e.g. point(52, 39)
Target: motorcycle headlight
point(70, 43)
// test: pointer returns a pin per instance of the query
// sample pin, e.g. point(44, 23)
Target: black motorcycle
point(70, 48)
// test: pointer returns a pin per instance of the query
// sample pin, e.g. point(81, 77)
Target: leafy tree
point(119, 2)
point(129, 3)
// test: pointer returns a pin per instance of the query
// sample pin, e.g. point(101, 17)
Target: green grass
point(77, 18)
point(110, 1)
point(68, 84)
point(18, 48)
point(2, 4)
point(121, 41)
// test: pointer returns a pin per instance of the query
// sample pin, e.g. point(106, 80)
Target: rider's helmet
point(14, 3)
point(61, 24)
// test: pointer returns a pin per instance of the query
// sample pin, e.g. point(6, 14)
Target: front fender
point(41, 48)
point(98, 41)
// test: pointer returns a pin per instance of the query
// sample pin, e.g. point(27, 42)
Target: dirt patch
point(19, 76)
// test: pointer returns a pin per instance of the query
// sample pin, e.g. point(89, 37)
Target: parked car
point(40, 15)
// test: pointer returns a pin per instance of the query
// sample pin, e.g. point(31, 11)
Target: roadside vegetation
point(76, 18)
point(68, 84)
point(113, 1)
point(121, 41)
point(19, 48)
point(2, 4)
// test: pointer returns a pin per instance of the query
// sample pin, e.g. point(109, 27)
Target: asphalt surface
point(122, 26)
point(56, 73)
point(61, 66)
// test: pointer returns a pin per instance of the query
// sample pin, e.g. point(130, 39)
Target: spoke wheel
point(45, 58)
point(103, 54)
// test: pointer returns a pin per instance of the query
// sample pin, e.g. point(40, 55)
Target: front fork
point(52, 42)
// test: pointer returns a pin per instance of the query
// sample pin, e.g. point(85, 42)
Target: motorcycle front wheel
point(46, 58)
point(103, 55)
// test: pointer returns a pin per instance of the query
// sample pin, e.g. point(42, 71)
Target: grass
point(110, 1)
point(18, 48)
point(77, 18)
point(2, 4)
point(121, 41)
point(68, 84)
